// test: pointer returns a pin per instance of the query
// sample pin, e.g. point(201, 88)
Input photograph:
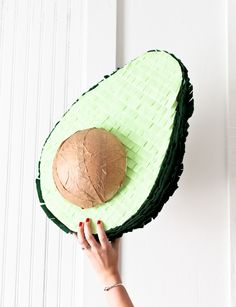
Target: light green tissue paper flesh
point(137, 104)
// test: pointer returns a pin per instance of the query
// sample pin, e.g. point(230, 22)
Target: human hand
point(104, 255)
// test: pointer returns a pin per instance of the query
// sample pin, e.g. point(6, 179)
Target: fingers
point(87, 240)
point(102, 235)
point(81, 237)
point(88, 234)
point(85, 236)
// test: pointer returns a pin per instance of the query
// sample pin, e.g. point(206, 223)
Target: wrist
point(111, 278)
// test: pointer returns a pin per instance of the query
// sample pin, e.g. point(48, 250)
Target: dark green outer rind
point(170, 171)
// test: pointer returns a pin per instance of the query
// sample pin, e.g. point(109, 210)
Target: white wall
point(50, 52)
point(184, 254)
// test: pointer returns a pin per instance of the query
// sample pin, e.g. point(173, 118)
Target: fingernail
point(98, 222)
point(80, 224)
point(87, 220)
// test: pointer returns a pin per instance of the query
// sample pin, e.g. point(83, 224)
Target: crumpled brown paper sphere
point(89, 167)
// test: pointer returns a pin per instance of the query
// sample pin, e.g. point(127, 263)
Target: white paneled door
point(51, 51)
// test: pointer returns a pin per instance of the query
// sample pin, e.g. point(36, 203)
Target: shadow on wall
point(120, 33)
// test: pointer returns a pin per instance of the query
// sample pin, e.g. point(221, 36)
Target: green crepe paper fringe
point(170, 171)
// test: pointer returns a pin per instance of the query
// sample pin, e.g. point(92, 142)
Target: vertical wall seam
point(73, 262)
point(65, 103)
point(45, 262)
point(67, 57)
point(84, 59)
point(117, 30)
point(21, 174)
point(59, 268)
point(9, 157)
point(1, 39)
point(52, 106)
point(72, 303)
point(227, 130)
point(36, 145)
point(52, 98)
point(74, 251)
point(84, 81)
point(2, 20)
point(231, 143)
point(64, 108)
point(120, 32)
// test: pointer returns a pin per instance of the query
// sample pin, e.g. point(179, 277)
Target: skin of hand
point(104, 256)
